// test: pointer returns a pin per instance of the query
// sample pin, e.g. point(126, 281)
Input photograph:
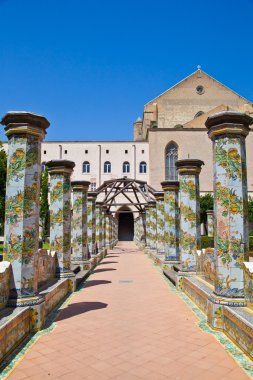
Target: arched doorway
point(126, 225)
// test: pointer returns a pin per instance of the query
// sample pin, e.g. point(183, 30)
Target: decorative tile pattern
point(189, 220)
point(171, 224)
point(60, 219)
point(22, 212)
point(160, 239)
point(230, 197)
point(91, 225)
point(79, 225)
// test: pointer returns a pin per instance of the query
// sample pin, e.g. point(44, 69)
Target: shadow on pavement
point(96, 282)
point(74, 309)
point(103, 270)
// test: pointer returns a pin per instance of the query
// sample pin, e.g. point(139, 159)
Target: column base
point(215, 309)
point(168, 264)
point(84, 264)
point(72, 279)
point(180, 277)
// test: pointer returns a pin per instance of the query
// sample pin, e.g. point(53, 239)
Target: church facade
point(172, 127)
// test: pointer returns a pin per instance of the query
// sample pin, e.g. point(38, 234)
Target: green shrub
point(206, 242)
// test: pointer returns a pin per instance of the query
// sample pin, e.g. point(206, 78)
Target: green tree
point(3, 172)
point(206, 203)
point(44, 207)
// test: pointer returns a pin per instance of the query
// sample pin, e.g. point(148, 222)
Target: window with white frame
point(107, 167)
point(143, 167)
point(126, 167)
point(86, 167)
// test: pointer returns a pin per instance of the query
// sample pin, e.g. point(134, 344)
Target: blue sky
point(90, 66)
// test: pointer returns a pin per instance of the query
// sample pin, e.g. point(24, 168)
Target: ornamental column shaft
point(160, 241)
point(99, 227)
point(189, 240)
point(228, 131)
point(91, 223)
point(107, 231)
point(60, 214)
point(152, 224)
point(210, 223)
point(171, 220)
point(148, 226)
point(79, 223)
point(25, 131)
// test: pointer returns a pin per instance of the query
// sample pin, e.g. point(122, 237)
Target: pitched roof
point(195, 72)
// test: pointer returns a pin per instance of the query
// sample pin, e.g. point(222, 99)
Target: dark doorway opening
point(126, 226)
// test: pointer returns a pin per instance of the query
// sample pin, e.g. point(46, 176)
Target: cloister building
point(172, 127)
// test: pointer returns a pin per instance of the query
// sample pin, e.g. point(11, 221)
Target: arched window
point(107, 167)
point(86, 167)
point(126, 167)
point(143, 167)
point(171, 156)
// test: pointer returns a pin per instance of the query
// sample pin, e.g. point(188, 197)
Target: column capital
point(60, 166)
point(228, 122)
point(159, 195)
point(80, 185)
point(92, 195)
point(25, 123)
point(189, 166)
point(170, 185)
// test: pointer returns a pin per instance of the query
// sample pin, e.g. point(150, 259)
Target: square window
point(142, 151)
point(65, 151)
point(107, 151)
point(86, 151)
point(45, 152)
point(126, 151)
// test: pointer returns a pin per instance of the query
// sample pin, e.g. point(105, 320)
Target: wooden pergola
point(137, 193)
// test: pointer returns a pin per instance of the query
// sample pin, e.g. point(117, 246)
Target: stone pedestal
point(91, 223)
point(25, 131)
point(210, 223)
point(79, 224)
point(228, 131)
point(60, 215)
point(171, 223)
point(189, 240)
point(160, 239)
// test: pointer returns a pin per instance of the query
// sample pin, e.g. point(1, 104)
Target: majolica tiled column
point(148, 226)
point(210, 223)
point(79, 223)
point(228, 131)
point(60, 214)
point(152, 216)
point(160, 241)
point(25, 131)
point(189, 240)
point(91, 223)
point(107, 231)
point(99, 227)
point(171, 221)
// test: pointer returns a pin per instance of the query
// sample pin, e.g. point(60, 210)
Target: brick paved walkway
point(127, 324)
